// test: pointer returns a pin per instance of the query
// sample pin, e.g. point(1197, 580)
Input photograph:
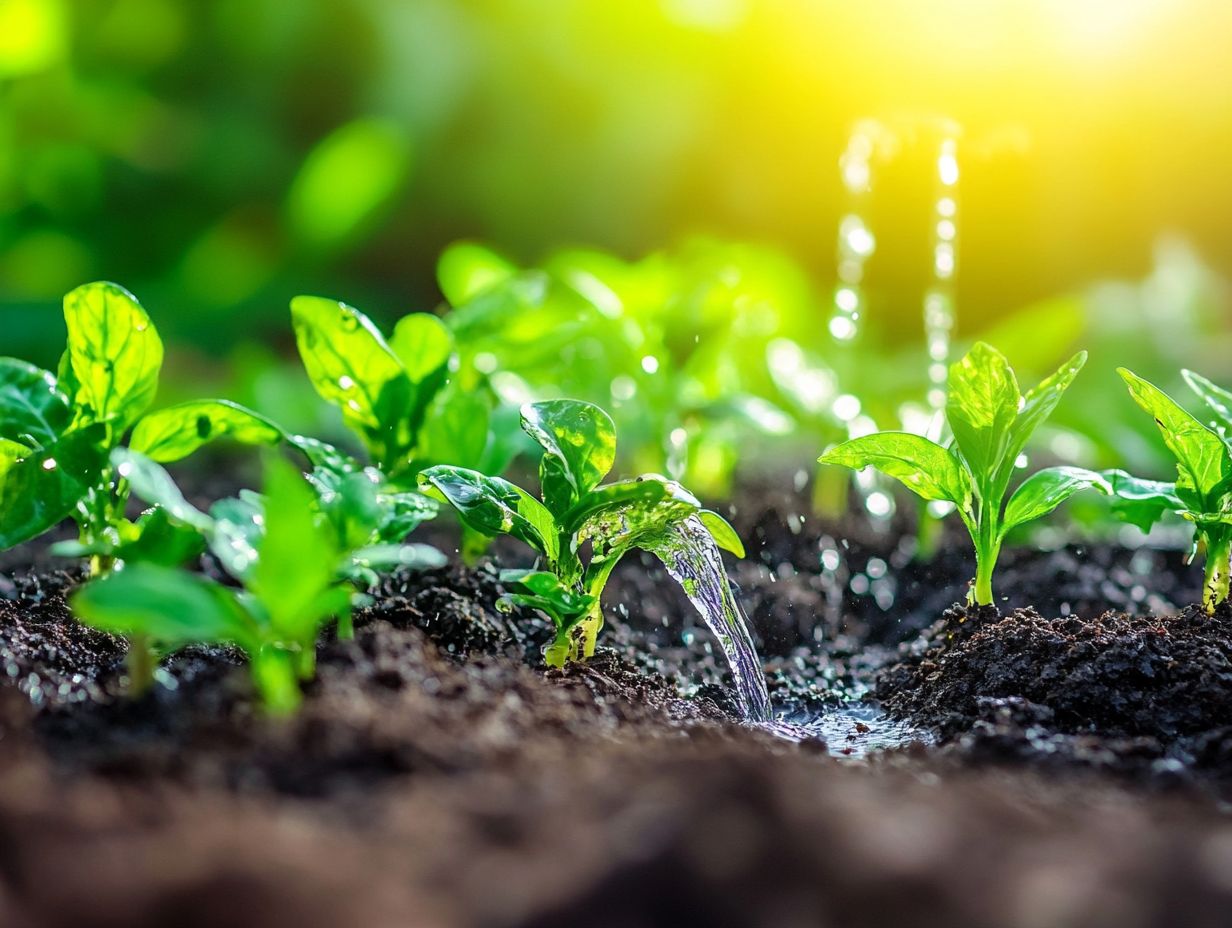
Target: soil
point(438, 775)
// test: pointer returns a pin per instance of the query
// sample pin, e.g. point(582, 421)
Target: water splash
point(693, 559)
point(851, 730)
point(939, 296)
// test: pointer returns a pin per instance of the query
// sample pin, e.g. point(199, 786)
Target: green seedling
point(57, 432)
point(991, 423)
point(579, 448)
point(1202, 491)
point(293, 561)
point(400, 398)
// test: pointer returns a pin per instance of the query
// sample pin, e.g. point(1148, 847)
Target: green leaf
point(616, 529)
point(642, 491)
point(239, 526)
point(721, 531)
point(384, 557)
point(579, 448)
point(31, 404)
point(152, 483)
point(423, 343)
point(401, 513)
point(351, 366)
point(493, 506)
point(923, 466)
point(1141, 502)
point(457, 430)
point(298, 555)
point(109, 370)
point(155, 538)
point(544, 591)
point(1037, 406)
point(466, 269)
point(174, 607)
point(177, 431)
point(981, 407)
point(1047, 489)
point(1217, 399)
point(41, 489)
point(1202, 458)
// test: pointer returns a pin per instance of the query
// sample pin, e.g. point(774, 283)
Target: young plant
point(57, 432)
point(293, 563)
point(579, 448)
point(1202, 491)
point(991, 423)
point(400, 398)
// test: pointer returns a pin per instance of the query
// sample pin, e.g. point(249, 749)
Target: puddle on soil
point(850, 731)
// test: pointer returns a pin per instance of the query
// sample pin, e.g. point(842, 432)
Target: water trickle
point(693, 559)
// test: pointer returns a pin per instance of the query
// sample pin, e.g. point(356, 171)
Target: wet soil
point(439, 775)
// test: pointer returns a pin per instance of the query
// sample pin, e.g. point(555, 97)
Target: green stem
point(274, 672)
point(987, 549)
point(346, 627)
point(306, 660)
point(1218, 554)
point(141, 663)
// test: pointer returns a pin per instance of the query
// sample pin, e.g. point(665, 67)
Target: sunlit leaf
point(40, 490)
point(466, 269)
point(109, 371)
point(579, 448)
point(177, 431)
point(981, 407)
point(1047, 489)
point(31, 404)
point(493, 506)
point(923, 466)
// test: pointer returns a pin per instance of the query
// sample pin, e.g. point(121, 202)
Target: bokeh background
point(219, 157)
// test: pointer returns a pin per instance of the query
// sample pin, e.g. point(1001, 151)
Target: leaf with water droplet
point(31, 404)
point(109, 370)
point(177, 431)
point(41, 489)
point(579, 448)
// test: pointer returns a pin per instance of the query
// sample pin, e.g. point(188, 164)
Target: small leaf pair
point(579, 448)
point(991, 423)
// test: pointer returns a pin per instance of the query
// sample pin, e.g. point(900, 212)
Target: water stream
point(694, 561)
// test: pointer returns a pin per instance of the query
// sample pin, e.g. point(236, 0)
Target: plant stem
point(274, 672)
point(987, 548)
point(141, 664)
point(346, 627)
point(1218, 554)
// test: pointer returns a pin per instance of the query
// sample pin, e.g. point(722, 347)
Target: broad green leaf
point(721, 531)
point(239, 526)
point(1047, 489)
point(493, 506)
point(1216, 398)
point(981, 407)
point(615, 529)
point(31, 404)
point(351, 366)
point(155, 538)
point(414, 556)
point(1202, 458)
point(109, 370)
point(1141, 502)
point(579, 448)
point(1037, 406)
point(466, 269)
point(174, 607)
point(177, 431)
point(921, 465)
point(401, 513)
point(643, 491)
point(423, 343)
point(457, 430)
point(323, 456)
point(40, 490)
point(298, 556)
point(352, 507)
point(151, 483)
point(543, 590)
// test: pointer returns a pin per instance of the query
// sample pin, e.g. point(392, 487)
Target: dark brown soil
point(439, 776)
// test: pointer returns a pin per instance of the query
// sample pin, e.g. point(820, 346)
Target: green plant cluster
point(428, 411)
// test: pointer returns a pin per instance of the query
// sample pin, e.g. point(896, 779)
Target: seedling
point(1202, 492)
point(291, 559)
point(57, 432)
point(991, 423)
point(579, 448)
